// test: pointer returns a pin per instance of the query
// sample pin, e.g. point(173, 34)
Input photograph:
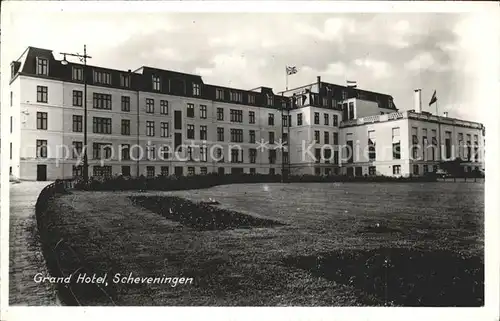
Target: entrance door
point(41, 172)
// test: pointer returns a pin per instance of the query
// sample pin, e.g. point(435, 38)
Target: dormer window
point(270, 100)
point(12, 70)
point(219, 94)
point(344, 95)
point(102, 77)
point(196, 89)
point(125, 80)
point(391, 104)
point(42, 66)
point(236, 96)
point(156, 82)
point(77, 73)
point(251, 99)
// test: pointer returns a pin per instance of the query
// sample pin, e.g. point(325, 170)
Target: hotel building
point(158, 122)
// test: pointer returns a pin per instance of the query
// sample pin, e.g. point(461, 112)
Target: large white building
point(138, 120)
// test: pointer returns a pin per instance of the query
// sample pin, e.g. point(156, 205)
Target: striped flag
point(352, 83)
point(291, 70)
point(433, 99)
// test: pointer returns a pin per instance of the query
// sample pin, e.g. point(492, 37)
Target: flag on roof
point(433, 99)
point(291, 70)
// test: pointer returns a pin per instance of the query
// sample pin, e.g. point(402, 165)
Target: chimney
point(445, 114)
point(417, 100)
point(319, 83)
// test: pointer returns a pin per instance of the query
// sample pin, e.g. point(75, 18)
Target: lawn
point(343, 244)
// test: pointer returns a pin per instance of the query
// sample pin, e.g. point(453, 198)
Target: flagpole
point(286, 78)
point(439, 131)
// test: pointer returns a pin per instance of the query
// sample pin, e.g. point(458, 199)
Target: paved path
point(25, 254)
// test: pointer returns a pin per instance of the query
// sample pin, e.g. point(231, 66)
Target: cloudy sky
point(388, 52)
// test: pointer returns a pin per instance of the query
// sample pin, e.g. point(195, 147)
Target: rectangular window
point(150, 128)
point(219, 94)
point(41, 120)
point(191, 171)
point(77, 73)
point(219, 155)
point(151, 152)
point(190, 153)
point(299, 119)
point(11, 98)
point(251, 99)
point(77, 98)
point(252, 170)
point(270, 119)
point(11, 124)
point(41, 148)
point(77, 171)
point(327, 119)
point(335, 138)
point(271, 137)
point(42, 93)
point(196, 89)
point(316, 118)
point(102, 101)
point(285, 157)
point(351, 110)
point(203, 111)
point(150, 105)
point(165, 152)
point(203, 170)
point(101, 125)
point(101, 77)
point(125, 103)
point(253, 155)
point(371, 146)
point(426, 169)
point(272, 171)
point(235, 156)
point(220, 113)
point(164, 129)
point(190, 131)
point(101, 150)
point(236, 135)
point(42, 66)
point(125, 127)
point(447, 143)
point(220, 134)
point(316, 136)
point(350, 151)
point(252, 136)
point(372, 170)
point(125, 80)
point(10, 151)
point(203, 154)
point(150, 171)
point(270, 100)
point(156, 83)
point(126, 170)
point(396, 169)
point(77, 123)
point(190, 111)
point(164, 171)
point(203, 132)
point(317, 155)
point(164, 107)
point(236, 116)
point(102, 171)
point(284, 120)
point(236, 96)
point(326, 137)
point(251, 117)
point(272, 156)
point(77, 149)
point(415, 169)
point(396, 150)
point(335, 120)
point(125, 151)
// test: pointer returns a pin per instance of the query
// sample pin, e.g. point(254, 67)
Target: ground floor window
point(415, 169)
point(434, 168)
point(359, 171)
point(372, 170)
point(328, 171)
point(336, 170)
point(220, 170)
point(77, 171)
point(236, 170)
point(102, 171)
point(350, 171)
point(272, 171)
point(426, 168)
point(203, 171)
point(150, 171)
point(191, 170)
point(317, 171)
point(126, 170)
point(10, 170)
point(252, 170)
point(178, 171)
point(164, 171)
point(396, 169)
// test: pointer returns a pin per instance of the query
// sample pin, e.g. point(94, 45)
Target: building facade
point(158, 122)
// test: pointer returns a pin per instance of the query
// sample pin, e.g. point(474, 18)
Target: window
point(251, 117)
point(426, 169)
point(350, 151)
point(236, 116)
point(396, 150)
point(251, 99)
point(219, 94)
point(10, 146)
point(335, 138)
point(270, 100)
point(190, 110)
point(220, 113)
point(270, 119)
point(252, 136)
point(196, 89)
point(164, 171)
point(41, 148)
point(372, 170)
point(272, 156)
point(253, 155)
point(203, 154)
point(101, 150)
point(220, 134)
point(125, 127)
point(150, 128)
point(396, 169)
point(235, 96)
point(326, 137)
point(77, 98)
point(42, 66)
point(371, 145)
point(77, 171)
point(335, 120)
point(101, 171)
point(190, 131)
point(299, 119)
point(77, 73)
point(235, 156)
point(125, 80)
point(150, 152)
point(316, 136)
point(77, 123)
point(236, 135)
point(447, 143)
point(101, 125)
point(317, 155)
point(285, 138)
point(125, 103)
point(284, 120)
point(150, 106)
point(327, 119)
point(102, 101)
point(190, 153)
point(11, 98)
point(203, 132)
point(11, 124)
point(101, 77)
point(272, 171)
point(150, 171)
point(351, 110)
point(156, 82)
point(191, 170)
point(164, 107)
point(285, 157)
point(252, 170)
point(126, 170)
point(41, 120)
point(125, 151)
point(164, 129)
point(344, 95)
point(316, 118)
point(77, 149)
point(219, 155)
point(415, 169)
point(203, 111)
point(165, 152)
point(42, 94)
point(271, 137)
point(203, 170)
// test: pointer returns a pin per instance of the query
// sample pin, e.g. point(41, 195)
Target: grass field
point(339, 244)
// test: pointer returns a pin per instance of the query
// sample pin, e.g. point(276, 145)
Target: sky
point(383, 50)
